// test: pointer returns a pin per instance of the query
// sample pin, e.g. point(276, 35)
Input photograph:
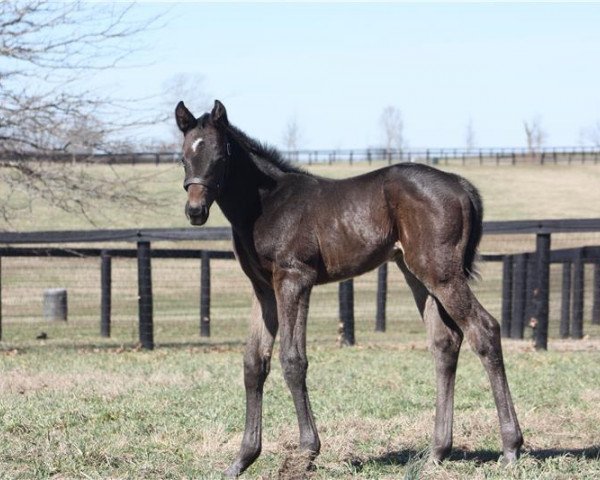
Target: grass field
point(509, 193)
point(77, 406)
point(177, 412)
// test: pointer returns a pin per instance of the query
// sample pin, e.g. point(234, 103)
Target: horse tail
point(475, 231)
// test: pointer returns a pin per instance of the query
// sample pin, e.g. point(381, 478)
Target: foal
point(293, 230)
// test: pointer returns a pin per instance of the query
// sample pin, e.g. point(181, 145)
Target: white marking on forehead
point(197, 142)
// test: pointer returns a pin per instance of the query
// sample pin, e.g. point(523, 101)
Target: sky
point(334, 67)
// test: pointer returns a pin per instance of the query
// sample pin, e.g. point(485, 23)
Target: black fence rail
point(431, 156)
point(525, 277)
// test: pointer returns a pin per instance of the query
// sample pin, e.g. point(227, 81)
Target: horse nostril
point(197, 210)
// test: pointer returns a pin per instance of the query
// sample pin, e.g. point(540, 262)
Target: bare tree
point(591, 134)
point(535, 135)
point(188, 87)
point(470, 141)
point(49, 50)
point(292, 138)
point(393, 129)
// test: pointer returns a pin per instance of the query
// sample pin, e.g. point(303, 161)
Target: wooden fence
point(526, 275)
point(431, 156)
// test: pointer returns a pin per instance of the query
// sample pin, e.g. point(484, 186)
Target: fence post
point(146, 327)
point(542, 251)
point(518, 305)
point(346, 297)
point(205, 294)
point(595, 296)
point(578, 287)
point(565, 306)
point(105, 293)
point(507, 291)
point(0, 298)
point(382, 274)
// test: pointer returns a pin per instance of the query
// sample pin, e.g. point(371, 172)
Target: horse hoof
point(233, 471)
point(510, 457)
point(438, 455)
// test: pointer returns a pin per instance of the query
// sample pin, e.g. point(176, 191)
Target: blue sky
point(335, 66)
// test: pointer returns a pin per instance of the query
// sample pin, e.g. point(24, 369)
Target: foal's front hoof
point(233, 471)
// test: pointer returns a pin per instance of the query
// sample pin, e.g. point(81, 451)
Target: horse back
point(342, 228)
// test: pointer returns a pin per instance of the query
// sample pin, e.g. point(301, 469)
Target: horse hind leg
point(445, 340)
point(483, 334)
point(257, 361)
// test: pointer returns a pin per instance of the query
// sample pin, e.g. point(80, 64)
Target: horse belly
point(350, 250)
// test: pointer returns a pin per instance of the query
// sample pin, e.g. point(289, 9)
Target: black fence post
point(578, 290)
point(542, 251)
point(346, 296)
point(0, 298)
point(565, 306)
point(518, 304)
point(382, 274)
point(146, 327)
point(595, 296)
point(507, 292)
point(105, 293)
point(205, 294)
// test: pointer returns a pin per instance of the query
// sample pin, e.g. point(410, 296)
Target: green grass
point(78, 406)
point(178, 412)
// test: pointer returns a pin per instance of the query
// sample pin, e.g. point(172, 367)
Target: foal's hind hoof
point(438, 455)
point(510, 457)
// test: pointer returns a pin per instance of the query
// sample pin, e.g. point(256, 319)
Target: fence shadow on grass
point(408, 456)
point(589, 453)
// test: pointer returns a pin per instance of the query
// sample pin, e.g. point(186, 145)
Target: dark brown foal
point(293, 230)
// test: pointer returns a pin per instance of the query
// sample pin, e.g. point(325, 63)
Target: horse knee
point(446, 345)
point(294, 367)
point(256, 370)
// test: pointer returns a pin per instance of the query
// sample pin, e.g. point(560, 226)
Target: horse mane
point(268, 156)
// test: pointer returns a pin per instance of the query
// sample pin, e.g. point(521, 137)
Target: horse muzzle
point(198, 204)
point(197, 214)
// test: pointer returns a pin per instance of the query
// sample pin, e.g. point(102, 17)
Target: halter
point(201, 181)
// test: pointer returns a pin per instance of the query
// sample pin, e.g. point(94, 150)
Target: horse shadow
point(407, 456)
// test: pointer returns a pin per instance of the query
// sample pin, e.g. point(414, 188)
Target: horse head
point(206, 154)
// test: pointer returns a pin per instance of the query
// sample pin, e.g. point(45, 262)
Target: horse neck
point(245, 185)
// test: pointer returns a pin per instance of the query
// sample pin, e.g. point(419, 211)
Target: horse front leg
point(293, 294)
point(257, 363)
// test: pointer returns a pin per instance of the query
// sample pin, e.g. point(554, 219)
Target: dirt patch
point(554, 345)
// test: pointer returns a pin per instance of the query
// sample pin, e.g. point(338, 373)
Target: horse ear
point(219, 114)
point(185, 120)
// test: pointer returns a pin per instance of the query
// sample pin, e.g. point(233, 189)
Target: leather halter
point(201, 181)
